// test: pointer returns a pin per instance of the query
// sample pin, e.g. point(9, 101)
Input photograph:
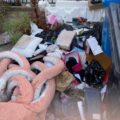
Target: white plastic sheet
point(69, 9)
point(35, 29)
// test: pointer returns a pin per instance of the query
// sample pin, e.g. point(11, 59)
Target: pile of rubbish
point(66, 58)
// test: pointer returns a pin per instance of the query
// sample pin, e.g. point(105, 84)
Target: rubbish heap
point(66, 58)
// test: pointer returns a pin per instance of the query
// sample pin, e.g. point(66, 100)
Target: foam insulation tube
point(38, 66)
point(49, 73)
point(4, 65)
point(43, 93)
point(29, 75)
point(42, 102)
point(21, 60)
point(25, 95)
point(12, 66)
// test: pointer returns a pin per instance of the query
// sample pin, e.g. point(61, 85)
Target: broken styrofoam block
point(26, 45)
point(65, 39)
point(94, 46)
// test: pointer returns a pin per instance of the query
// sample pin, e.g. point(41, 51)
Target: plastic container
point(105, 38)
point(107, 2)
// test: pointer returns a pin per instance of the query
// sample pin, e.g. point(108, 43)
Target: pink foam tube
point(4, 65)
point(45, 77)
point(13, 72)
point(21, 60)
point(12, 66)
point(38, 65)
point(49, 73)
point(6, 58)
point(25, 88)
point(15, 111)
point(42, 99)
point(40, 104)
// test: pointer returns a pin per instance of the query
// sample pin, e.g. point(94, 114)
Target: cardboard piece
point(103, 59)
point(94, 6)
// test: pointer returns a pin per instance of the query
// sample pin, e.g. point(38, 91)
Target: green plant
point(17, 26)
point(4, 8)
point(15, 36)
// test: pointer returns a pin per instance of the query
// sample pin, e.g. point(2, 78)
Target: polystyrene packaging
point(26, 45)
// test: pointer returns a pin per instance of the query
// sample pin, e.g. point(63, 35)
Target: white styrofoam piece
point(94, 46)
point(26, 45)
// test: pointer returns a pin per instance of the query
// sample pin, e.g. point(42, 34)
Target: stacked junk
point(67, 59)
